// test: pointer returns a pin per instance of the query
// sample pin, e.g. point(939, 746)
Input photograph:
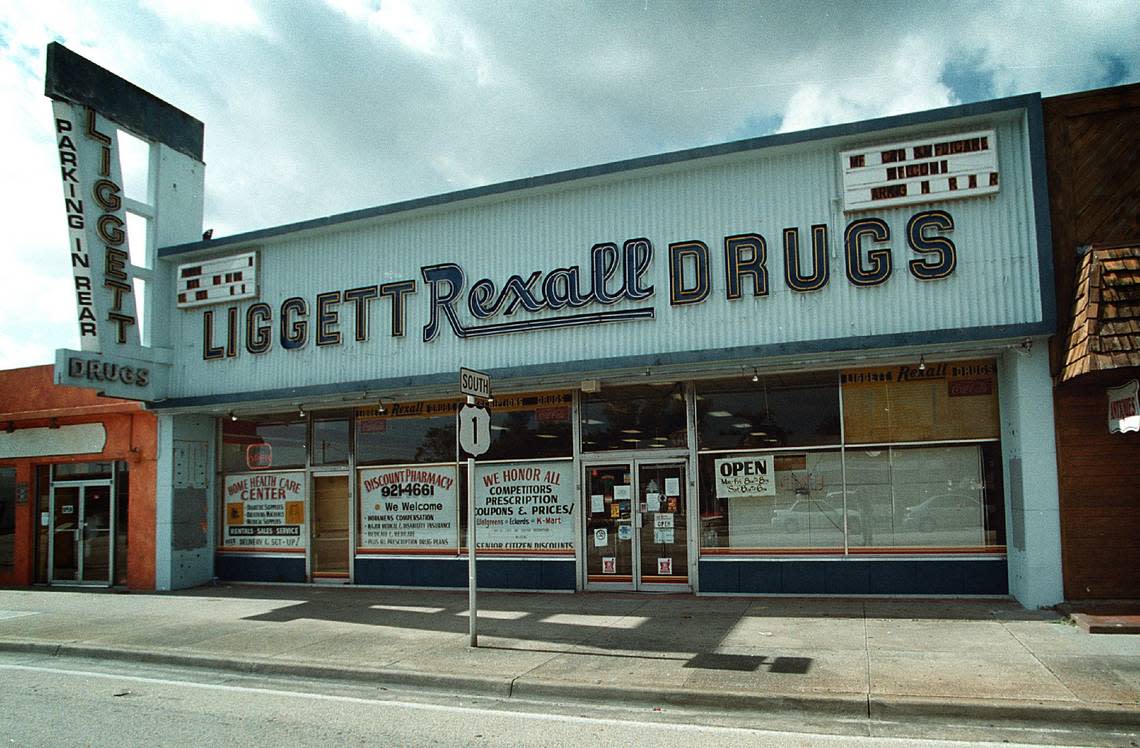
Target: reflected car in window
point(944, 512)
point(799, 516)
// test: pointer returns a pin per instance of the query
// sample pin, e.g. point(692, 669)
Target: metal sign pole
point(472, 625)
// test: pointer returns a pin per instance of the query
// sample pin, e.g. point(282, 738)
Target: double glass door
point(636, 529)
point(82, 534)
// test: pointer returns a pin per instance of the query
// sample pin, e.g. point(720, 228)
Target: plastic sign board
point(920, 171)
point(474, 429)
point(223, 279)
point(474, 383)
point(111, 374)
point(1124, 408)
point(97, 226)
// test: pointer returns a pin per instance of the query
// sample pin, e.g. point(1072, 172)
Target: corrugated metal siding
point(996, 281)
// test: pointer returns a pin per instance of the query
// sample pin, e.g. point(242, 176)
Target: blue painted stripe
point(752, 355)
point(573, 320)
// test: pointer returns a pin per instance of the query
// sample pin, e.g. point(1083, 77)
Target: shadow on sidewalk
point(724, 632)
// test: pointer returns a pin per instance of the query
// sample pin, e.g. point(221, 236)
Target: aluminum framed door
point(636, 534)
point(81, 534)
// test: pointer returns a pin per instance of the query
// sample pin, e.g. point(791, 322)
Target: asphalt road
point(59, 702)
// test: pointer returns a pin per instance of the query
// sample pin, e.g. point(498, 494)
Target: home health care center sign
point(408, 508)
point(265, 511)
point(525, 506)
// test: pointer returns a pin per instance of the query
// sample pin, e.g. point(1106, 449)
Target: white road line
point(817, 739)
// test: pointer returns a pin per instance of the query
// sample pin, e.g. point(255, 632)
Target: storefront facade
point(811, 363)
point(76, 486)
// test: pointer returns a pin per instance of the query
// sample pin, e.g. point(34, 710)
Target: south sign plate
point(474, 430)
point(474, 383)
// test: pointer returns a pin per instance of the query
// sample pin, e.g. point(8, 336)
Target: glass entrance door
point(636, 529)
point(81, 534)
point(331, 531)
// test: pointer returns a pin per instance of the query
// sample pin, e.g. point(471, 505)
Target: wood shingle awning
point(1105, 328)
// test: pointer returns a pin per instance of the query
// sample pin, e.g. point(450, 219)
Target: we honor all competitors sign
point(525, 506)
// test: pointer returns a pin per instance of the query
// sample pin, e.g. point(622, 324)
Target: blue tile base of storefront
point(243, 568)
point(492, 573)
point(409, 572)
point(453, 572)
point(856, 577)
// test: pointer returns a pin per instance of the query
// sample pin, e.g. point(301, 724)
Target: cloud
point(319, 108)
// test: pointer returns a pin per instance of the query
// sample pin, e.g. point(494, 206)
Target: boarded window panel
point(956, 400)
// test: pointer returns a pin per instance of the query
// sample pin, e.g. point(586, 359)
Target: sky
point(318, 107)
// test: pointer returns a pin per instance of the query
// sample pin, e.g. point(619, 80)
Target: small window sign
point(259, 456)
point(1124, 408)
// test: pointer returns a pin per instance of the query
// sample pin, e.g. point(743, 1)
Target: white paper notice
point(597, 503)
point(625, 532)
point(663, 520)
point(621, 493)
point(672, 486)
point(662, 536)
point(654, 502)
point(601, 537)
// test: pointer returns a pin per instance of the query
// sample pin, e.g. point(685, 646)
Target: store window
point(917, 464)
point(921, 402)
point(7, 516)
point(263, 494)
point(936, 497)
point(406, 433)
point(331, 436)
point(639, 417)
point(794, 410)
point(412, 497)
point(263, 443)
point(122, 518)
point(83, 471)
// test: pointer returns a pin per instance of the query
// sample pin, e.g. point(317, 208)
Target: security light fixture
point(10, 428)
point(300, 410)
point(233, 416)
point(54, 424)
point(922, 363)
point(755, 376)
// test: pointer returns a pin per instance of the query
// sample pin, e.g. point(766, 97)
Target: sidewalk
point(856, 658)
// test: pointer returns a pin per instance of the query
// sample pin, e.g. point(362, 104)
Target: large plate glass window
point(7, 516)
point(638, 417)
point(857, 461)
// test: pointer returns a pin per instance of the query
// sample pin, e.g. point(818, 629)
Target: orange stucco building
point(77, 485)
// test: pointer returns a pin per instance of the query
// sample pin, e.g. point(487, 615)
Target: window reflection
point(641, 417)
point(263, 443)
point(796, 410)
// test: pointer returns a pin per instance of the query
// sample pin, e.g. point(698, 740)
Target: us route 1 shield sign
point(474, 429)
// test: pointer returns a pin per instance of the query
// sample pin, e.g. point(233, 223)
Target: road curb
point(897, 708)
point(485, 685)
point(850, 706)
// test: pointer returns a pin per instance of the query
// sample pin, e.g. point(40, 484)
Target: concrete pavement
point(979, 660)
